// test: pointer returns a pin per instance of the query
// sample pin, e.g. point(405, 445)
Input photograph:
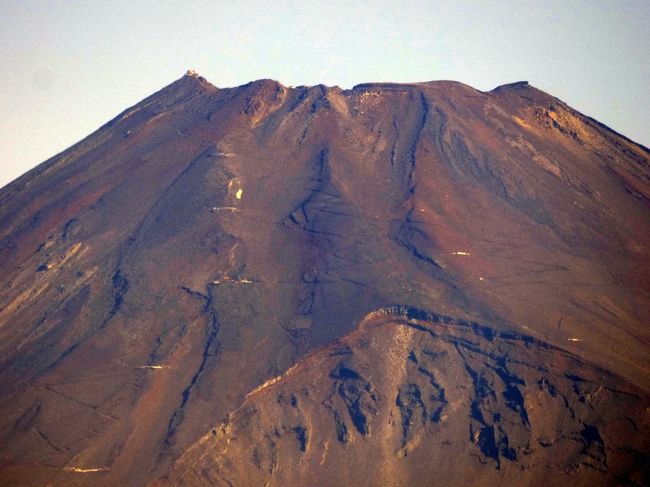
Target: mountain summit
point(396, 284)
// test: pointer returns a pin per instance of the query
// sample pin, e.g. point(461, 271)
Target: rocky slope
point(414, 398)
point(205, 241)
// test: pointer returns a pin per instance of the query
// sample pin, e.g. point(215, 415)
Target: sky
point(67, 67)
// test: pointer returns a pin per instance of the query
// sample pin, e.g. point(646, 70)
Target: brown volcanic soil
point(207, 240)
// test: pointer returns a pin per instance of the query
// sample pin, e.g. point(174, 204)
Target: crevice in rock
point(358, 395)
point(209, 350)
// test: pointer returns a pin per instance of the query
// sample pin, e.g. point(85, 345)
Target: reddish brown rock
point(206, 241)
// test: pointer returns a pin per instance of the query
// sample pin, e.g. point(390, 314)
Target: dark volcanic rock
point(206, 241)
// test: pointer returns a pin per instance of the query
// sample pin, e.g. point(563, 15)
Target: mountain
point(397, 284)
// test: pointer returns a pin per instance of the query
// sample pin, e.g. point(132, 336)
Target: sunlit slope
point(207, 240)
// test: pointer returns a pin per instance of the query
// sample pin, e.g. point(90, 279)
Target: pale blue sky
point(67, 67)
